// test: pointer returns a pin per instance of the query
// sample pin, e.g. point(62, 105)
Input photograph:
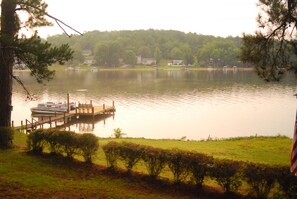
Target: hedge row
point(186, 165)
point(6, 137)
point(63, 142)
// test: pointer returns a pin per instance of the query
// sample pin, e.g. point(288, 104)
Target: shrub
point(154, 160)
point(88, 145)
point(69, 143)
point(112, 154)
point(261, 179)
point(130, 153)
point(118, 133)
point(36, 141)
point(6, 137)
point(287, 181)
point(64, 142)
point(51, 136)
point(198, 166)
point(178, 164)
point(225, 172)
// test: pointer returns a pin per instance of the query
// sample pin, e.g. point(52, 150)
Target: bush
point(130, 153)
point(6, 137)
point(287, 182)
point(69, 143)
point(112, 154)
point(198, 166)
point(154, 160)
point(261, 179)
point(225, 172)
point(118, 133)
point(52, 137)
point(178, 164)
point(63, 142)
point(36, 141)
point(88, 145)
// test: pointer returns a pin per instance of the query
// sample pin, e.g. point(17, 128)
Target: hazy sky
point(215, 17)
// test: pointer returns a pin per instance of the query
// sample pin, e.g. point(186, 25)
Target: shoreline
point(144, 68)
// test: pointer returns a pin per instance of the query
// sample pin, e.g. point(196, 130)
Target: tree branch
point(19, 81)
point(58, 21)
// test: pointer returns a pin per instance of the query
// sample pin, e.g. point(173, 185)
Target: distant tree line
point(118, 48)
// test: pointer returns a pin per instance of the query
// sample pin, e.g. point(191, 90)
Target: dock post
point(50, 121)
point(68, 103)
point(64, 118)
point(113, 104)
point(104, 107)
point(26, 125)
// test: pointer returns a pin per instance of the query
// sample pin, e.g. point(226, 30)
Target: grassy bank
point(26, 176)
point(267, 150)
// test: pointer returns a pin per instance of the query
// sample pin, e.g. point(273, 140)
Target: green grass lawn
point(23, 175)
point(267, 150)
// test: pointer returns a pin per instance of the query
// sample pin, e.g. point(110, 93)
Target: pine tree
point(273, 48)
point(32, 51)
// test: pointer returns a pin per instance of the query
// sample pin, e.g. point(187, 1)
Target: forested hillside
point(118, 48)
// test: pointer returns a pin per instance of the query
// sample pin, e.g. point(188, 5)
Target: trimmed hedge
point(6, 137)
point(36, 141)
point(199, 166)
point(130, 154)
point(63, 142)
point(186, 165)
point(178, 164)
point(261, 179)
point(154, 160)
point(287, 182)
point(225, 172)
point(112, 154)
point(87, 145)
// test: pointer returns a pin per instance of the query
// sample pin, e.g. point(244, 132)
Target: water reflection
point(85, 124)
point(173, 104)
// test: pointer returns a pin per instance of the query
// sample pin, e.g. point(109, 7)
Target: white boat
point(52, 108)
point(94, 69)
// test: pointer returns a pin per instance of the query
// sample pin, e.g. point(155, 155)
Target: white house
point(176, 63)
point(146, 61)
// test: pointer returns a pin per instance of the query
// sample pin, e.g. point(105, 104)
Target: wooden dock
point(82, 110)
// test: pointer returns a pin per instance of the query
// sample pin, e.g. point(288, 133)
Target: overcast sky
point(210, 17)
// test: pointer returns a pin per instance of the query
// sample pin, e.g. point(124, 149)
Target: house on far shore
point(176, 63)
point(146, 61)
point(87, 53)
point(89, 62)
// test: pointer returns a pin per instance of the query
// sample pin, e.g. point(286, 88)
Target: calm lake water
point(172, 104)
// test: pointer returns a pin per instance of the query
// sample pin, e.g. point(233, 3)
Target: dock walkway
point(82, 110)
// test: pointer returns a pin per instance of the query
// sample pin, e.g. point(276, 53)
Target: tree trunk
point(8, 31)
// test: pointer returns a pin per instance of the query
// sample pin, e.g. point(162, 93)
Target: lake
point(171, 104)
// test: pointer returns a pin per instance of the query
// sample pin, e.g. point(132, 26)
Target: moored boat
point(52, 108)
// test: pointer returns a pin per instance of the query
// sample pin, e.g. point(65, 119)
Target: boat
point(94, 69)
point(52, 108)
